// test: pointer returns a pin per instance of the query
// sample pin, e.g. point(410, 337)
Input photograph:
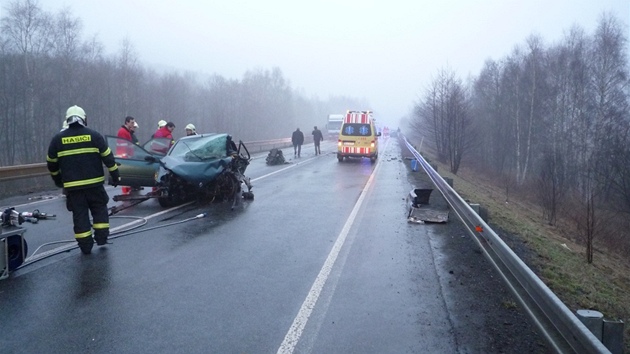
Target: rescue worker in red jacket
point(164, 132)
point(161, 124)
point(124, 148)
point(126, 130)
point(75, 160)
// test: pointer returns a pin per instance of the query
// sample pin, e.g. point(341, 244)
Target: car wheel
point(171, 197)
point(340, 158)
point(248, 195)
point(166, 202)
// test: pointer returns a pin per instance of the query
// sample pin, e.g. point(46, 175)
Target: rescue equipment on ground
point(275, 157)
point(36, 215)
point(13, 247)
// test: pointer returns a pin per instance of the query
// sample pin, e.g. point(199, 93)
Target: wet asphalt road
point(322, 261)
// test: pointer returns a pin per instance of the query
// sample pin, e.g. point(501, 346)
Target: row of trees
point(46, 66)
point(552, 120)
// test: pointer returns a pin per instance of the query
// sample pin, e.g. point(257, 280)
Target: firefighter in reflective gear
point(75, 160)
point(191, 130)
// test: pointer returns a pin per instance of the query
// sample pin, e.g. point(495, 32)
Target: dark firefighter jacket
point(77, 154)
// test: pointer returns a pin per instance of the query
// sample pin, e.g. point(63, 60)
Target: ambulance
point(358, 136)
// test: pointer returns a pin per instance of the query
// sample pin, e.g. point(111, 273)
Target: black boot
point(86, 244)
point(100, 239)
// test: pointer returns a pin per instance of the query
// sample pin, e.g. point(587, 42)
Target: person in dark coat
point(75, 160)
point(317, 138)
point(297, 139)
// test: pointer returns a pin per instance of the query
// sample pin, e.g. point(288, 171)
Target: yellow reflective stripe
point(55, 173)
point(84, 182)
point(113, 168)
point(50, 159)
point(77, 152)
point(83, 234)
point(106, 152)
point(101, 225)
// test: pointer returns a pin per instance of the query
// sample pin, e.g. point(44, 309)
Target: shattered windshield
point(201, 148)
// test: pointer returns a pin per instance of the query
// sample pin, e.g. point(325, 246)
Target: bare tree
point(445, 114)
point(526, 138)
point(492, 138)
point(28, 30)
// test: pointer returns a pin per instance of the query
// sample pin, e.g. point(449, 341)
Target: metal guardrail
point(563, 330)
point(264, 145)
point(10, 173)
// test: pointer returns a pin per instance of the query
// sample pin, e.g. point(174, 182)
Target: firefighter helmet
point(190, 127)
point(75, 114)
point(161, 123)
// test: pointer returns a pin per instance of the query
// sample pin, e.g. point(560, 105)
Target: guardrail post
point(481, 211)
point(612, 336)
point(593, 320)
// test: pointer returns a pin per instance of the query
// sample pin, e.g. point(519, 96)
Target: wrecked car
point(206, 167)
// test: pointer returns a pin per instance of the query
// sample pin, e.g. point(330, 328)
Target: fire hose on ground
point(16, 248)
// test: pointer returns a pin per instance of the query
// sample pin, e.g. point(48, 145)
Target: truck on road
point(333, 125)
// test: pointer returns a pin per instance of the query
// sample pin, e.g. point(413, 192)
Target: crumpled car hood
point(196, 172)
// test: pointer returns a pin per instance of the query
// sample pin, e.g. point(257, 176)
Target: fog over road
point(322, 261)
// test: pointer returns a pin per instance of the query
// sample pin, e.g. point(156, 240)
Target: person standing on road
point(75, 160)
point(297, 139)
point(134, 137)
point(126, 130)
point(165, 132)
point(161, 125)
point(317, 138)
point(123, 148)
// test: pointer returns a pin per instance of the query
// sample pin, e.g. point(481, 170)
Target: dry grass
point(560, 262)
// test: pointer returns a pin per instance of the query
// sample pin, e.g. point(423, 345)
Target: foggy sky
point(384, 51)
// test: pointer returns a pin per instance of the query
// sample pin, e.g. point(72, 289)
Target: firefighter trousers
point(82, 203)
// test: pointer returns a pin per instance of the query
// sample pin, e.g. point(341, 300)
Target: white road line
point(284, 169)
point(295, 331)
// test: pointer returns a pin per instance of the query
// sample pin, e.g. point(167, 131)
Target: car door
point(138, 165)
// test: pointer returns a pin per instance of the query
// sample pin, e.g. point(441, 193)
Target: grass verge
point(561, 264)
